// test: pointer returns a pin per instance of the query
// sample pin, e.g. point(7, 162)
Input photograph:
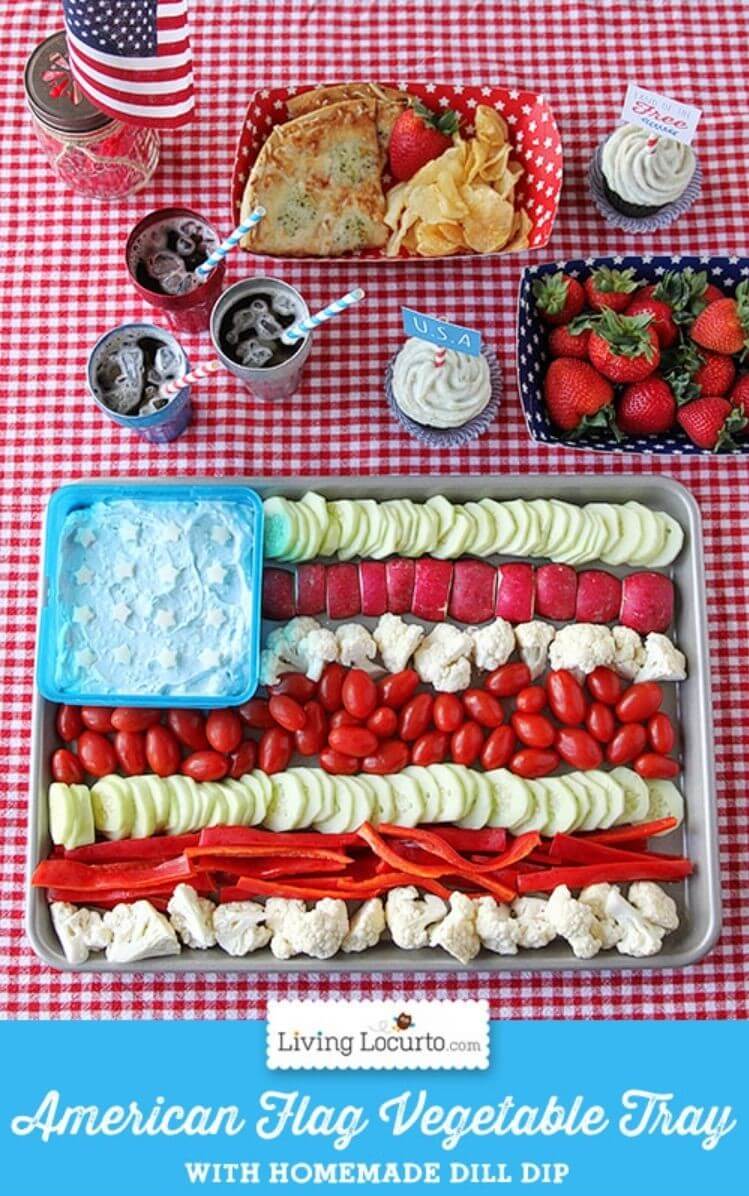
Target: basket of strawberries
point(637, 354)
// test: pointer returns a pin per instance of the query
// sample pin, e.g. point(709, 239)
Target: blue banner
point(586, 1109)
point(441, 333)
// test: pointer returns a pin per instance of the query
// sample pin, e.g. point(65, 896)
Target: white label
point(377, 1035)
point(660, 115)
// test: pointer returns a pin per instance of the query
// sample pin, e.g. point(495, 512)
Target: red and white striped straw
point(439, 356)
point(201, 371)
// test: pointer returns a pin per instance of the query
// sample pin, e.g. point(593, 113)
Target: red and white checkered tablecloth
point(63, 283)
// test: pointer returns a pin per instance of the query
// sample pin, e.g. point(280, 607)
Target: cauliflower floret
point(397, 641)
point(582, 647)
point(366, 926)
point(356, 647)
point(496, 927)
point(457, 932)
point(533, 927)
point(281, 653)
point(319, 931)
point(443, 661)
point(79, 931)
point(663, 660)
point(493, 645)
point(192, 917)
point(318, 648)
point(628, 652)
point(534, 640)
point(238, 927)
point(654, 904)
point(139, 932)
point(277, 911)
point(595, 896)
point(641, 937)
point(409, 917)
point(575, 922)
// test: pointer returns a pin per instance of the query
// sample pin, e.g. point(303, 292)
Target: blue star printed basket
point(533, 358)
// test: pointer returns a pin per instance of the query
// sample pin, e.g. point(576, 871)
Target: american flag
point(132, 58)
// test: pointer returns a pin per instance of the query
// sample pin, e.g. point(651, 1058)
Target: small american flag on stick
point(132, 58)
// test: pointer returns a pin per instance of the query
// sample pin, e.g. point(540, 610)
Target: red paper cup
point(184, 313)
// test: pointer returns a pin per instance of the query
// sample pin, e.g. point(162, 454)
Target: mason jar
point(90, 152)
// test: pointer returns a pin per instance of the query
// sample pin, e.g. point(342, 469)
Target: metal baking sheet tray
point(699, 898)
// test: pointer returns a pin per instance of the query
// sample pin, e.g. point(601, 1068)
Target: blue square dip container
point(151, 594)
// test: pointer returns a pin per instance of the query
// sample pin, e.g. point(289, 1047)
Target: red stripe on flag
point(159, 74)
point(136, 95)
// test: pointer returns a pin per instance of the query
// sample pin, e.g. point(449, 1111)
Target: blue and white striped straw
point(210, 263)
point(297, 331)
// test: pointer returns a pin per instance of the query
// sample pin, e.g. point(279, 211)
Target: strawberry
point(610, 288)
point(711, 422)
point(685, 291)
point(576, 396)
point(646, 407)
point(559, 298)
point(716, 374)
point(739, 396)
point(624, 348)
point(564, 342)
point(723, 326)
point(663, 323)
point(418, 136)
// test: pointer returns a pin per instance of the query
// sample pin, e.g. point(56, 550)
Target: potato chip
point(520, 238)
point(430, 241)
point(489, 225)
point(490, 127)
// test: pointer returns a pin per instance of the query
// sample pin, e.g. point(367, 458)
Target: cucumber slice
point(542, 510)
point(159, 794)
point(563, 806)
point(409, 803)
point(83, 829)
point(539, 814)
point(144, 820)
point(112, 802)
point(62, 813)
point(317, 509)
point(184, 805)
point(425, 532)
point(262, 792)
point(238, 802)
point(332, 537)
point(364, 782)
point(666, 801)
point(443, 509)
point(521, 514)
point(513, 800)
point(289, 803)
point(503, 522)
point(327, 785)
point(347, 516)
point(624, 552)
point(406, 518)
point(483, 544)
point(390, 531)
point(454, 799)
point(353, 808)
point(592, 538)
point(673, 541)
point(608, 516)
point(598, 799)
point(281, 533)
point(636, 796)
point(652, 533)
point(368, 530)
point(384, 807)
point(316, 805)
point(582, 797)
point(577, 527)
point(614, 795)
point(561, 515)
point(483, 802)
point(536, 535)
point(462, 533)
point(429, 790)
point(217, 813)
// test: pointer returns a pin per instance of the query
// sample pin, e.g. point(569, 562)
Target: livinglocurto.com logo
point(377, 1035)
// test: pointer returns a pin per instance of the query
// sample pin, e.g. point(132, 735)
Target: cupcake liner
point(639, 224)
point(449, 437)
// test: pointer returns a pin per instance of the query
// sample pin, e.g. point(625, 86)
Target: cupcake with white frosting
point(641, 182)
point(440, 396)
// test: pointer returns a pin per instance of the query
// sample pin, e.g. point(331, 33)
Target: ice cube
point(189, 228)
point(158, 237)
point(166, 362)
point(177, 283)
point(283, 304)
point(259, 307)
point(163, 263)
point(124, 391)
point(186, 246)
point(268, 328)
point(252, 353)
point(241, 322)
point(153, 405)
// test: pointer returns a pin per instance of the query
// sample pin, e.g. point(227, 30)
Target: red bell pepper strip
point(422, 872)
point(593, 874)
point(336, 887)
point(642, 830)
point(489, 839)
point(205, 855)
point(566, 849)
point(159, 901)
point(435, 846)
point(99, 878)
point(268, 868)
point(241, 836)
point(158, 847)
